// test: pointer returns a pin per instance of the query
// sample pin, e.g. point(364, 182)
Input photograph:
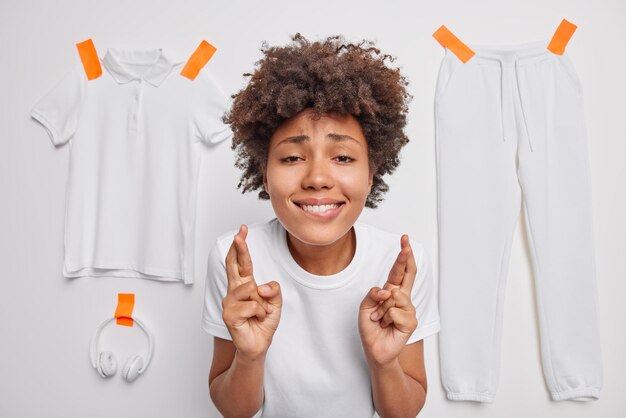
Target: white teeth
point(319, 208)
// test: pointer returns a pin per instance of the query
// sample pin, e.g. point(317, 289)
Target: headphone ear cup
point(106, 364)
point(132, 367)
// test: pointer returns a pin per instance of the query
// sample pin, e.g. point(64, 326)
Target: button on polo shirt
point(134, 163)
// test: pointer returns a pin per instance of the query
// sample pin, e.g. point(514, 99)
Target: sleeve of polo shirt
point(211, 105)
point(215, 290)
point(58, 111)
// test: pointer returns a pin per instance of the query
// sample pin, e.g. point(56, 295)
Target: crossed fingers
point(241, 284)
point(394, 301)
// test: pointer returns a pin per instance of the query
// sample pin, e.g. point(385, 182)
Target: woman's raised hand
point(387, 315)
point(251, 312)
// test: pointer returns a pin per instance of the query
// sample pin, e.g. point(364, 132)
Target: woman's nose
point(318, 175)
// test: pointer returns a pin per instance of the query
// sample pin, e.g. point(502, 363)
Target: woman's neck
point(323, 260)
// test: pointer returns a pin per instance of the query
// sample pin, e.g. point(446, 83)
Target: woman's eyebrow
point(342, 137)
point(333, 136)
point(294, 139)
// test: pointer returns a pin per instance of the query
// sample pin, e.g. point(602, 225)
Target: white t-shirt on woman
point(315, 366)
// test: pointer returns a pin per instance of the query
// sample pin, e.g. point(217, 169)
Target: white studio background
point(47, 320)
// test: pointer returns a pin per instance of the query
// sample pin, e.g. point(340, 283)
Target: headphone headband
point(94, 342)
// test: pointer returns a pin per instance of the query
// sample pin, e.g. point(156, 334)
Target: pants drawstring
point(504, 86)
point(521, 105)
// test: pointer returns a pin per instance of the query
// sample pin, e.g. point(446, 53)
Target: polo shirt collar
point(116, 62)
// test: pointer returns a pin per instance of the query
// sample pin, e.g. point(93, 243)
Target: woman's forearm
point(238, 391)
point(395, 393)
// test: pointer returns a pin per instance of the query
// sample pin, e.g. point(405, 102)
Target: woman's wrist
point(384, 365)
point(250, 359)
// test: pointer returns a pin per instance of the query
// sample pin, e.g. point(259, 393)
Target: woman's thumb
point(271, 293)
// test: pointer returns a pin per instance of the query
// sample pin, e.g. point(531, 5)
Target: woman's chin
point(317, 235)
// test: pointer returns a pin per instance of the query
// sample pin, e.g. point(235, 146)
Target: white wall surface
point(47, 320)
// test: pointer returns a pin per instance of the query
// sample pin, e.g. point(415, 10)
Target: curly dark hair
point(331, 77)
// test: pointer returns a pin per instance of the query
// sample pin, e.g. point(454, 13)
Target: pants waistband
point(512, 54)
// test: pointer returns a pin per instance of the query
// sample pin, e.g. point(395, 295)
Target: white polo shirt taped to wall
point(133, 135)
point(315, 366)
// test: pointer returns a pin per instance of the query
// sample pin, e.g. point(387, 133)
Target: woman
point(337, 329)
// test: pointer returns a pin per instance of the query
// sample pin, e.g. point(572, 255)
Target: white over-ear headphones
point(105, 362)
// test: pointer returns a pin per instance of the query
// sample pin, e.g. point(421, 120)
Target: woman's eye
point(344, 158)
point(290, 159)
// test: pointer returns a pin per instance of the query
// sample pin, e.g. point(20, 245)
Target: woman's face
point(318, 176)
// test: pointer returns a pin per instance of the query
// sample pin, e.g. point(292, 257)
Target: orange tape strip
point(561, 37)
point(124, 310)
point(198, 59)
point(89, 57)
point(454, 44)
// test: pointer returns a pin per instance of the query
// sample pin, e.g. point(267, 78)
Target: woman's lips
point(321, 211)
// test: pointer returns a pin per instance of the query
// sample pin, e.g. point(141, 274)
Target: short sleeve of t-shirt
point(424, 298)
point(215, 290)
point(59, 110)
point(211, 104)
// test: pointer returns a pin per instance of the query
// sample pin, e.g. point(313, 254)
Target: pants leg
point(556, 187)
point(479, 203)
